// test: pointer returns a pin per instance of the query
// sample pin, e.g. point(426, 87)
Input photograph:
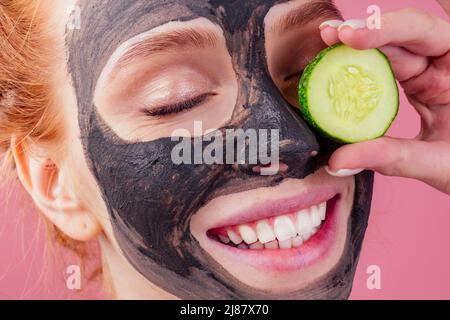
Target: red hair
point(28, 111)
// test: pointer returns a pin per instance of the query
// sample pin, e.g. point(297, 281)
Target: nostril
point(282, 167)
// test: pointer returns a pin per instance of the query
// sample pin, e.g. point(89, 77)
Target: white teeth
point(248, 234)
point(307, 236)
point(288, 231)
point(310, 234)
point(234, 237)
point(297, 241)
point(284, 228)
point(315, 216)
point(224, 239)
point(264, 231)
point(271, 245)
point(304, 223)
point(256, 246)
point(323, 210)
point(286, 244)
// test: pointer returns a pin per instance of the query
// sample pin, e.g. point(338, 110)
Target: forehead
point(106, 22)
point(132, 14)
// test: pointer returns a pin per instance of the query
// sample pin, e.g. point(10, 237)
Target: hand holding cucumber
point(418, 47)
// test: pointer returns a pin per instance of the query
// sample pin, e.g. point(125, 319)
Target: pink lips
point(285, 260)
point(270, 208)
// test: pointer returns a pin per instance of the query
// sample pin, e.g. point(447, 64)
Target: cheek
point(84, 185)
point(82, 182)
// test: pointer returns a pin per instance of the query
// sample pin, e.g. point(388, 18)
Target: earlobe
point(48, 187)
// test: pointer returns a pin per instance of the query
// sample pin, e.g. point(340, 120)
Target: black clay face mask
point(150, 199)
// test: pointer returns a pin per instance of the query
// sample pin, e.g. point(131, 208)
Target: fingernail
point(354, 24)
point(330, 23)
point(343, 172)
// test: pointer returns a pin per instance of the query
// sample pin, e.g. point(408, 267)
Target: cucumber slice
point(349, 95)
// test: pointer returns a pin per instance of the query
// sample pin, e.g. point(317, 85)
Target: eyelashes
point(177, 107)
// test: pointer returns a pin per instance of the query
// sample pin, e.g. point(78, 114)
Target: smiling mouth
point(283, 241)
point(299, 227)
point(280, 232)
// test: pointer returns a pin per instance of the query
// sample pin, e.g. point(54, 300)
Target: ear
point(47, 186)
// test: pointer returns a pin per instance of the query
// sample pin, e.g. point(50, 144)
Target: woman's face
point(142, 69)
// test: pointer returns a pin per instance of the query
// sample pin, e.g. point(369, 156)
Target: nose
point(268, 110)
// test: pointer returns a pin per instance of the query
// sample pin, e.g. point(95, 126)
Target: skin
point(111, 175)
point(153, 226)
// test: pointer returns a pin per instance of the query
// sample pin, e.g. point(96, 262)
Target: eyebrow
point(188, 38)
point(305, 14)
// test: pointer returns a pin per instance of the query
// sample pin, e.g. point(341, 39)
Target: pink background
point(408, 235)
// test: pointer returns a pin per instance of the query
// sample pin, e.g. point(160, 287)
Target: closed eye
point(177, 107)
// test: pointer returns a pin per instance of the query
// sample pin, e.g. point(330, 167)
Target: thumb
point(422, 160)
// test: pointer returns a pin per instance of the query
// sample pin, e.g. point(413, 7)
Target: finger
point(426, 116)
point(328, 31)
point(441, 99)
point(433, 85)
point(438, 97)
point(405, 64)
point(445, 4)
point(329, 36)
point(425, 161)
point(415, 30)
